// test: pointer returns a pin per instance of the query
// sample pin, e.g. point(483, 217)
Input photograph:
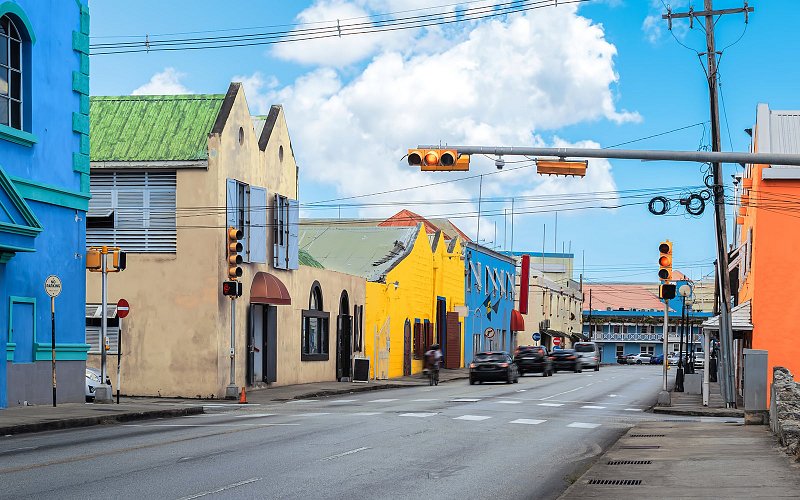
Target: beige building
point(169, 175)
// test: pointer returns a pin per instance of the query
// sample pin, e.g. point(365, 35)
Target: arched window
point(315, 328)
point(11, 74)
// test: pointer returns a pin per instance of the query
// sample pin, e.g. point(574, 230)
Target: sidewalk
point(23, 419)
point(691, 460)
point(692, 405)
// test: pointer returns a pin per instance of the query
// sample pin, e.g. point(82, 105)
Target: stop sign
point(123, 308)
point(556, 340)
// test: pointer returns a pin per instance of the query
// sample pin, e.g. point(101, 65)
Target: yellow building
point(414, 286)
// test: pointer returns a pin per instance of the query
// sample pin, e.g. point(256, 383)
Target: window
point(286, 217)
point(132, 210)
point(94, 323)
point(246, 209)
point(315, 328)
point(417, 340)
point(10, 74)
point(476, 343)
point(620, 350)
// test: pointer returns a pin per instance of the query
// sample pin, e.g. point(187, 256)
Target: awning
point(267, 289)
point(517, 321)
point(741, 319)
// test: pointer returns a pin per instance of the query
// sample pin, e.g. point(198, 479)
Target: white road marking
point(583, 425)
point(425, 400)
point(529, 421)
point(465, 400)
point(219, 490)
point(612, 395)
point(204, 425)
point(366, 413)
point(418, 415)
point(255, 415)
point(590, 407)
point(633, 409)
point(475, 418)
point(344, 401)
point(522, 390)
point(565, 392)
point(339, 455)
point(507, 402)
point(19, 449)
point(550, 404)
point(303, 401)
point(382, 400)
point(315, 414)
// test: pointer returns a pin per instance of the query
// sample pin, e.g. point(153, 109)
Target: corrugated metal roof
point(152, 127)
point(305, 259)
point(741, 319)
point(369, 252)
point(784, 130)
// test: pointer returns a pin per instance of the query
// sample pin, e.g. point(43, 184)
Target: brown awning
point(267, 289)
point(517, 321)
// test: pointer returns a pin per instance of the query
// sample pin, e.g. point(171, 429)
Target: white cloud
point(164, 83)
point(654, 27)
point(495, 83)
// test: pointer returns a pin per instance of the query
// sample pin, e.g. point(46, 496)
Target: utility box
point(754, 386)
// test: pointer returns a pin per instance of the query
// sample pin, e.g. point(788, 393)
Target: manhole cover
point(630, 462)
point(639, 447)
point(648, 435)
point(616, 482)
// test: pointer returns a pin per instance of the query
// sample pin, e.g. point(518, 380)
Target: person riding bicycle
point(433, 358)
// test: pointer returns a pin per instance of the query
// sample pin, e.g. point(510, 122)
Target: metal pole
point(681, 372)
point(707, 369)
point(119, 356)
point(231, 391)
point(666, 335)
point(103, 315)
point(53, 340)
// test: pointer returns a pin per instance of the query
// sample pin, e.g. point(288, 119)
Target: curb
point(666, 410)
point(367, 387)
point(70, 423)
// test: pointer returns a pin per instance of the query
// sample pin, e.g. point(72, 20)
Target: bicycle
point(433, 376)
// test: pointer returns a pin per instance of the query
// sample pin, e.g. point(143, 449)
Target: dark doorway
point(407, 348)
point(452, 357)
point(441, 324)
point(344, 339)
point(262, 346)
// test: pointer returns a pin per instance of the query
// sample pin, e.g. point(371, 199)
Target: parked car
point(493, 366)
point(622, 359)
point(639, 359)
point(672, 359)
point(533, 359)
point(589, 354)
point(658, 359)
point(92, 381)
point(699, 360)
point(565, 359)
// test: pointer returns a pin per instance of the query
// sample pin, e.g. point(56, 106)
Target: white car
point(699, 360)
point(92, 381)
point(672, 359)
point(639, 359)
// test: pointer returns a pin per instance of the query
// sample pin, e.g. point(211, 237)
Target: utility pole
point(726, 335)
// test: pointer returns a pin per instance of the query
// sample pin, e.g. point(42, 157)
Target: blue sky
point(600, 72)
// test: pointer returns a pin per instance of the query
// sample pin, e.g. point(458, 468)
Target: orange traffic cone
point(242, 397)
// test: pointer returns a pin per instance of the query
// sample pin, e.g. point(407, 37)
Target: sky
point(592, 74)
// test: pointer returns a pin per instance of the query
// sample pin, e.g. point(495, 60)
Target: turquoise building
point(44, 195)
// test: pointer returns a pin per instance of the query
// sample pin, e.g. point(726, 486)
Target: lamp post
point(684, 290)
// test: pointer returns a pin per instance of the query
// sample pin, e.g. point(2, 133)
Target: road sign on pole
point(556, 340)
point(489, 333)
point(52, 286)
point(537, 336)
point(123, 308)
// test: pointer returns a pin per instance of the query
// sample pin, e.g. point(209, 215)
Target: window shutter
point(258, 224)
point(231, 202)
point(293, 229)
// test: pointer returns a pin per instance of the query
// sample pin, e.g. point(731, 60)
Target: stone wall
point(785, 409)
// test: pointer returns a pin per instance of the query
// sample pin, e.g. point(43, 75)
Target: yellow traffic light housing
point(234, 246)
point(431, 160)
point(563, 167)
point(93, 262)
point(665, 261)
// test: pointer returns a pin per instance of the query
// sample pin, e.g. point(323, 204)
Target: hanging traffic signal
point(437, 160)
point(665, 261)
point(562, 167)
point(234, 246)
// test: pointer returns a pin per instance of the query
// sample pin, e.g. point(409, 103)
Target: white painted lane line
point(465, 400)
point(521, 390)
point(366, 413)
point(590, 407)
point(303, 401)
point(583, 425)
point(255, 415)
point(423, 400)
point(476, 418)
point(382, 400)
point(529, 421)
point(633, 409)
point(612, 395)
point(315, 414)
point(219, 490)
point(339, 455)
point(550, 404)
point(565, 392)
point(507, 402)
point(344, 401)
point(418, 415)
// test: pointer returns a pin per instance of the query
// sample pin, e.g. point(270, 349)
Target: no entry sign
point(123, 308)
point(556, 340)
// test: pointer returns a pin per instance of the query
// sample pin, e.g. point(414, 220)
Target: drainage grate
point(648, 435)
point(630, 462)
point(616, 482)
point(640, 447)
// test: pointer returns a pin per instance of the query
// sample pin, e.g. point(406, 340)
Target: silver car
point(699, 360)
point(92, 381)
point(589, 354)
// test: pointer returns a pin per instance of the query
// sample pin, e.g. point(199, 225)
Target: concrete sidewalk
point(691, 460)
point(687, 404)
point(38, 418)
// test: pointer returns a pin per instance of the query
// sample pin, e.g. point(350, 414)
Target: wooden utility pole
point(725, 332)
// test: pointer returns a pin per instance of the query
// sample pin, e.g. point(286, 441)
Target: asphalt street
point(525, 440)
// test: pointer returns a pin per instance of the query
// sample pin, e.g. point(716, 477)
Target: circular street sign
point(537, 336)
point(556, 340)
point(489, 332)
point(123, 308)
point(52, 285)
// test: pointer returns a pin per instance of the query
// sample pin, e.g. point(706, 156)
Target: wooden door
point(453, 354)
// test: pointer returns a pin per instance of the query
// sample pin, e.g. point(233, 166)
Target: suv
point(533, 359)
point(589, 354)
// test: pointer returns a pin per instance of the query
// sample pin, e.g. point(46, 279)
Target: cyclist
point(433, 359)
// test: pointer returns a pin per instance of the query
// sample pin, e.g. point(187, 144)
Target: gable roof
point(408, 218)
point(369, 252)
point(152, 127)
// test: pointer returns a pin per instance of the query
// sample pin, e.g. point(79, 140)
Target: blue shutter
point(294, 223)
point(258, 224)
point(231, 202)
point(279, 236)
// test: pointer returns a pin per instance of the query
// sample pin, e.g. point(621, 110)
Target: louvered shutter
point(279, 248)
point(293, 231)
point(258, 224)
point(231, 202)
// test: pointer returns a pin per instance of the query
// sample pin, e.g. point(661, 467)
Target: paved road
point(525, 440)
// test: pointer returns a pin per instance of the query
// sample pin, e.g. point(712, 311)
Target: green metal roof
point(305, 259)
point(152, 127)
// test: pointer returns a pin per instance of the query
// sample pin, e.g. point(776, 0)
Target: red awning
point(517, 321)
point(267, 289)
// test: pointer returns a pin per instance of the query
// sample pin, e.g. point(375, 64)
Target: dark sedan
point(533, 359)
point(565, 359)
point(493, 366)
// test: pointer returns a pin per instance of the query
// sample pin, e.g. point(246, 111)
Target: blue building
point(489, 294)
point(628, 318)
point(44, 193)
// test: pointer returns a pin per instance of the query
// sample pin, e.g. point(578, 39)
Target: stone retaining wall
point(784, 409)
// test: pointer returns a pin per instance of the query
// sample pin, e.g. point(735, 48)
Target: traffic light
point(563, 167)
point(665, 261)
point(234, 246)
point(232, 288)
point(437, 160)
point(93, 262)
point(666, 291)
point(120, 260)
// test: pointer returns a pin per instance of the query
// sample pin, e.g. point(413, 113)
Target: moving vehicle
point(589, 354)
point(493, 366)
point(638, 359)
point(533, 359)
point(658, 359)
point(565, 359)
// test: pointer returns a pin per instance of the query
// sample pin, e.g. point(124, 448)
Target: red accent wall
point(524, 283)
